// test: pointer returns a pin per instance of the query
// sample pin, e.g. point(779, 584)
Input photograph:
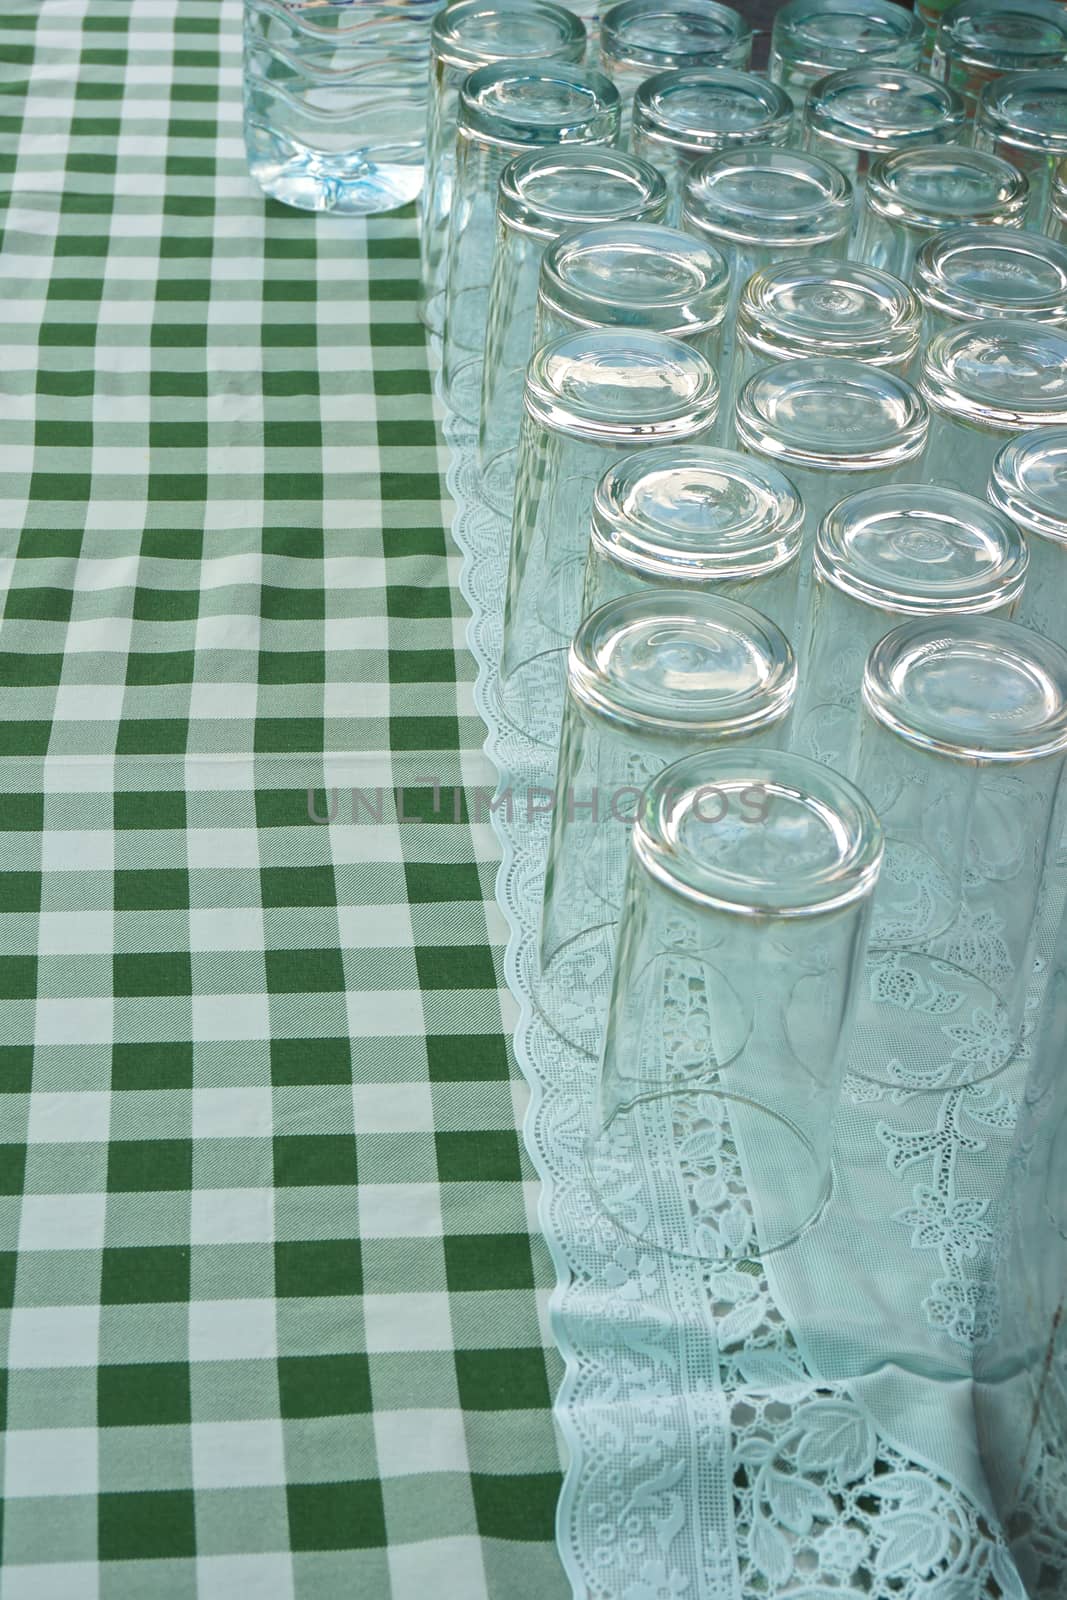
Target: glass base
point(498, 481)
point(353, 184)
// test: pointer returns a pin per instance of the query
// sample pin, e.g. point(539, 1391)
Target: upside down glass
point(650, 678)
point(1023, 117)
point(639, 38)
point(980, 40)
point(882, 555)
point(984, 383)
point(916, 193)
point(1029, 484)
point(740, 951)
point(852, 117)
point(540, 197)
point(692, 517)
point(503, 112)
point(979, 707)
point(969, 274)
point(590, 398)
point(464, 36)
point(811, 38)
point(678, 117)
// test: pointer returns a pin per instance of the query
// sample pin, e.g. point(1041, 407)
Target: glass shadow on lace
point(1029, 485)
point(541, 197)
point(467, 35)
point(962, 747)
point(503, 112)
point(693, 517)
point(882, 555)
point(590, 398)
point(743, 929)
point(650, 678)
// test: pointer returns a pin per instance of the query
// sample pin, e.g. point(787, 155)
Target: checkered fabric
point(273, 1301)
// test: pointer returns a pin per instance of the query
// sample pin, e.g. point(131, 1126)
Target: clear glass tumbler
point(504, 111)
point(970, 274)
point(823, 308)
point(812, 38)
point(880, 556)
point(541, 197)
point(639, 38)
point(590, 398)
point(979, 40)
point(1023, 117)
point(1056, 221)
point(678, 117)
point(984, 383)
point(760, 206)
point(834, 425)
point(917, 193)
point(978, 706)
point(740, 954)
point(650, 678)
point(467, 35)
point(335, 101)
point(692, 517)
point(852, 117)
point(1029, 484)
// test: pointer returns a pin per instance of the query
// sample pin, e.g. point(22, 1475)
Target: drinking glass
point(880, 556)
point(760, 206)
point(823, 308)
point(1029, 484)
point(1023, 117)
point(740, 953)
point(335, 101)
point(978, 706)
point(678, 117)
point(980, 40)
point(541, 196)
point(916, 193)
point(692, 517)
point(970, 274)
point(1056, 221)
point(503, 112)
point(984, 383)
point(590, 398)
point(464, 36)
point(639, 38)
point(811, 38)
point(650, 678)
point(834, 425)
point(852, 117)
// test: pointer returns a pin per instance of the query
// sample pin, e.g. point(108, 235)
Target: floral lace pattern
point(708, 1459)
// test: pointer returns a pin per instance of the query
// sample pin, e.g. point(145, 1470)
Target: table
point(274, 1301)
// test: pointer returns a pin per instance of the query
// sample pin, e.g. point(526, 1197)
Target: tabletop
point(274, 1301)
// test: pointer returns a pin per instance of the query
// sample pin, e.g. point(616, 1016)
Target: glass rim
point(694, 306)
point(628, 535)
point(884, 197)
point(936, 290)
point(944, 388)
point(887, 10)
point(844, 814)
point(539, 219)
point(767, 329)
point(834, 560)
point(924, 642)
point(550, 407)
point(1009, 491)
point(448, 45)
point(604, 637)
point(651, 120)
point(759, 431)
point(971, 51)
point(820, 119)
point(832, 217)
point(492, 127)
point(994, 117)
point(616, 51)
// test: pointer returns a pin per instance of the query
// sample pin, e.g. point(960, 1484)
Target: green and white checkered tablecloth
point(273, 1302)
